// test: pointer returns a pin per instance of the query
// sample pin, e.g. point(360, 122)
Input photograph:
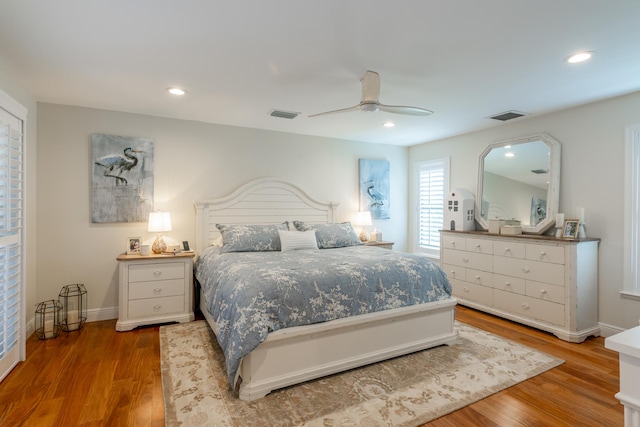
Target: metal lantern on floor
point(47, 319)
point(73, 300)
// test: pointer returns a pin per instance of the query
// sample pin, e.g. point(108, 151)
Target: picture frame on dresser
point(570, 228)
point(133, 245)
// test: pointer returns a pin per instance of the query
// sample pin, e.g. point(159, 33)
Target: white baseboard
point(609, 330)
point(94, 315)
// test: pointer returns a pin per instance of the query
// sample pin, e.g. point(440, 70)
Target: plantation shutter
point(11, 250)
point(433, 177)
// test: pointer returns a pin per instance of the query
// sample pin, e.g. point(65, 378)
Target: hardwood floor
point(99, 377)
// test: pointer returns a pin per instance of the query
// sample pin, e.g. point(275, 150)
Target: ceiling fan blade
point(371, 86)
point(343, 110)
point(400, 109)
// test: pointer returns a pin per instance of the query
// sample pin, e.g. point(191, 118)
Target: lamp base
point(363, 235)
point(159, 245)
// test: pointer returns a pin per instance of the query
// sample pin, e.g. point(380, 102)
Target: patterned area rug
point(405, 391)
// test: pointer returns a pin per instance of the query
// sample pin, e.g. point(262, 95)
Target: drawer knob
point(525, 306)
point(525, 269)
point(465, 289)
point(157, 273)
point(507, 249)
point(543, 291)
point(157, 307)
point(157, 290)
point(507, 285)
point(452, 272)
point(477, 277)
point(453, 244)
point(465, 259)
point(478, 245)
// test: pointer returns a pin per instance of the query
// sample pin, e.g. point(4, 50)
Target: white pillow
point(297, 240)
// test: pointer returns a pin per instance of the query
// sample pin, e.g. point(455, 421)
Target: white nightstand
point(386, 245)
point(155, 289)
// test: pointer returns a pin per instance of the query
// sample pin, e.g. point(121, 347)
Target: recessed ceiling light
point(176, 91)
point(389, 124)
point(579, 57)
point(509, 154)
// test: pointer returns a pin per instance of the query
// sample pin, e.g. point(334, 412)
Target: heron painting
point(121, 179)
point(374, 188)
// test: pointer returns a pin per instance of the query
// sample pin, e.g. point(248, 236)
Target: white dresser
point(544, 282)
point(155, 289)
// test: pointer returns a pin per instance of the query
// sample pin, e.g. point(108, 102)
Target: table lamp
point(159, 222)
point(363, 218)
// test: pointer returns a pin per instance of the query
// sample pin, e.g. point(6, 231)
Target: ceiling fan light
point(369, 107)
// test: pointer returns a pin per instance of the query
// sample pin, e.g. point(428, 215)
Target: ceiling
point(463, 59)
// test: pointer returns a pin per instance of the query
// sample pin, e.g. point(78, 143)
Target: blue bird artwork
point(120, 163)
point(121, 178)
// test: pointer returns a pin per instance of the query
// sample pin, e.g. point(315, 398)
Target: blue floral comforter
point(250, 294)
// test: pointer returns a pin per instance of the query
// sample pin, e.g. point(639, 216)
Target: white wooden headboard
point(262, 201)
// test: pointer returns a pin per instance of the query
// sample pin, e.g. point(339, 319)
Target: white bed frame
point(294, 355)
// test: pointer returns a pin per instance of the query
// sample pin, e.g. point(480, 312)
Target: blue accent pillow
point(250, 238)
point(331, 235)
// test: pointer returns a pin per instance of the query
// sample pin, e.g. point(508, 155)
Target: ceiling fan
point(370, 100)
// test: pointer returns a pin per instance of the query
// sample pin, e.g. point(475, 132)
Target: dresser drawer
point(530, 270)
point(509, 249)
point(480, 246)
point(467, 259)
point(509, 284)
point(545, 291)
point(479, 277)
point(160, 288)
point(453, 242)
point(470, 292)
point(160, 271)
point(532, 308)
point(156, 306)
point(545, 253)
point(454, 271)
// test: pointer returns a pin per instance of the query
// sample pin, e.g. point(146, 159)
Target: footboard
point(294, 355)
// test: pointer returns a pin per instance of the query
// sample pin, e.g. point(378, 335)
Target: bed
point(332, 339)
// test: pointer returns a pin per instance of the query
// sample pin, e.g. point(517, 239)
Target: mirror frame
point(553, 189)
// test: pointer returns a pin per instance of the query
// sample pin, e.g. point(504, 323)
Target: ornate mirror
point(520, 179)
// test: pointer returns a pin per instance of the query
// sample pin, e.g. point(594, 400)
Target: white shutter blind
point(11, 225)
point(432, 187)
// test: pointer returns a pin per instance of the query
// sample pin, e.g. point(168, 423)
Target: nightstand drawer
point(156, 306)
point(161, 288)
point(153, 272)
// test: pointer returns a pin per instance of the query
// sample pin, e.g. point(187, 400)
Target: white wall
point(193, 160)
point(592, 176)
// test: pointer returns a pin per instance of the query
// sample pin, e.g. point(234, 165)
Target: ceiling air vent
point(283, 114)
point(509, 115)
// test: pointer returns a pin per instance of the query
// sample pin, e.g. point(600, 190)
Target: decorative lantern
point(73, 300)
point(47, 323)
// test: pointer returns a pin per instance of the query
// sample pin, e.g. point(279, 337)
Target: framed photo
point(570, 228)
point(133, 245)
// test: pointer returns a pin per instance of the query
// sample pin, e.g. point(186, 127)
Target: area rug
point(405, 391)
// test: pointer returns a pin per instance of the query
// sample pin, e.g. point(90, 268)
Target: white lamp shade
point(159, 222)
point(363, 218)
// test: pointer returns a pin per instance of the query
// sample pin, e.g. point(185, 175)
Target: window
point(12, 339)
point(631, 286)
point(432, 185)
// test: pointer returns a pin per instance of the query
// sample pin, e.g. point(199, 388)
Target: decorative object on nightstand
point(155, 289)
point(73, 304)
point(582, 232)
point(375, 236)
point(158, 223)
point(363, 219)
point(47, 315)
point(380, 244)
